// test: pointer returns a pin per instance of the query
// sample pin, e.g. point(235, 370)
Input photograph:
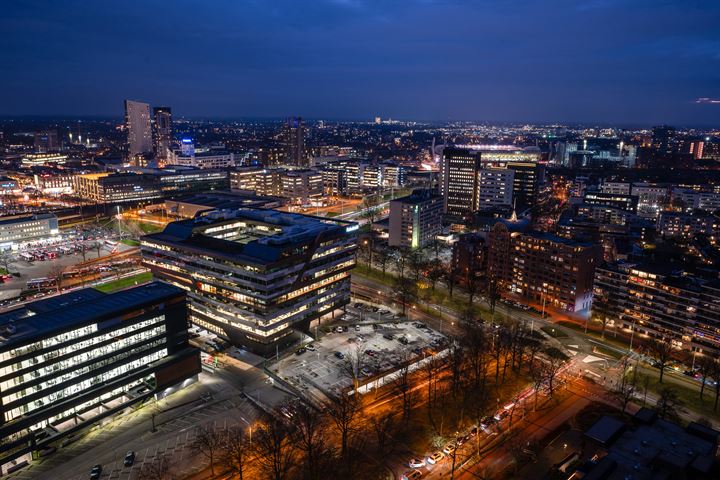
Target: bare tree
point(705, 365)
point(669, 404)
point(56, 273)
point(405, 385)
point(406, 290)
point(311, 440)
point(456, 364)
point(208, 442)
point(626, 386)
point(235, 451)
point(555, 360)
point(353, 364)
point(451, 276)
point(343, 410)
point(382, 258)
point(661, 350)
point(274, 447)
point(383, 426)
point(158, 469)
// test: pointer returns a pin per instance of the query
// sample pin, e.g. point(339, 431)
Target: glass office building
point(253, 276)
point(70, 361)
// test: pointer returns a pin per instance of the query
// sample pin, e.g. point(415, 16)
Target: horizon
point(589, 62)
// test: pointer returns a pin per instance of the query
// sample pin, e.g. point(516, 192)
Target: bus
point(40, 283)
point(27, 257)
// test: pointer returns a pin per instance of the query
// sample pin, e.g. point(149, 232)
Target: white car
point(416, 463)
point(435, 458)
point(449, 448)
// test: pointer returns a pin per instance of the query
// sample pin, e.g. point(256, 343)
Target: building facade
point(542, 269)
point(495, 188)
point(25, 228)
point(253, 276)
point(303, 187)
point(415, 220)
point(162, 131)
point(139, 131)
point(652, 301)
point(458, 182)
point(116, 187)
point(72, 360)
point(294, 136)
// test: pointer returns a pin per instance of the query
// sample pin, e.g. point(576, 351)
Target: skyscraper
point(663, 138)
point(137, 122)
point(458, 182)
point(162, 131)
point(294, 137)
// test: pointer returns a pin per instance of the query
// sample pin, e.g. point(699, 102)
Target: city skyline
point(571, 62)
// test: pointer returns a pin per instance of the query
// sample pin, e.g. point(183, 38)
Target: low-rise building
point(116, 187)
point(25, 228)
point(687, 225)
point(72, 360)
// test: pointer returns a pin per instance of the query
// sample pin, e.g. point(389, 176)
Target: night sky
point(601, 61)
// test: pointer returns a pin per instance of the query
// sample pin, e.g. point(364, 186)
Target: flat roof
point(282, 230)
point(36, 320)
point(25, 218)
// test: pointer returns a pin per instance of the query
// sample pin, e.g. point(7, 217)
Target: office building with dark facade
point(70, 361)
point(458, 182)
point(541, 268)
point(652, 300)
point(253, 276)
point(463, 188)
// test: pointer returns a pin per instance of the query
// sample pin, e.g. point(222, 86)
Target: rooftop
point(25, 218)
point(34, 321)
point(257, 235)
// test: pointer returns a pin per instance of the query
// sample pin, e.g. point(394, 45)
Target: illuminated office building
point(294, 137)
point(458, 182)
point(162, 131)
point(26, 228)
point(139, 131)
point(253, 275)
point(72, 360)
point(415, 220)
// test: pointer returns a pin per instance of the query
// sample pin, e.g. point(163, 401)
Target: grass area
point(689, 396)
point(617, 341)
point(439, 296)
point(130, 242)
point(554, 332)
point(125, 282)
point(148, 227)
point(3, 271)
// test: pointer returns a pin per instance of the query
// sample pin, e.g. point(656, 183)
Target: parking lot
point(370, 348)
point(36, 261)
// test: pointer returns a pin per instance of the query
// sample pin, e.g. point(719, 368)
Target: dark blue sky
point(618, 61)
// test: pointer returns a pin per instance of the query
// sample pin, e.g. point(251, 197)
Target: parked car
point(412, 475)
point(449, 448)
point(416, 463)
point(435, 458)
point(340, 355)
point(96, 472)
point(129, 459)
